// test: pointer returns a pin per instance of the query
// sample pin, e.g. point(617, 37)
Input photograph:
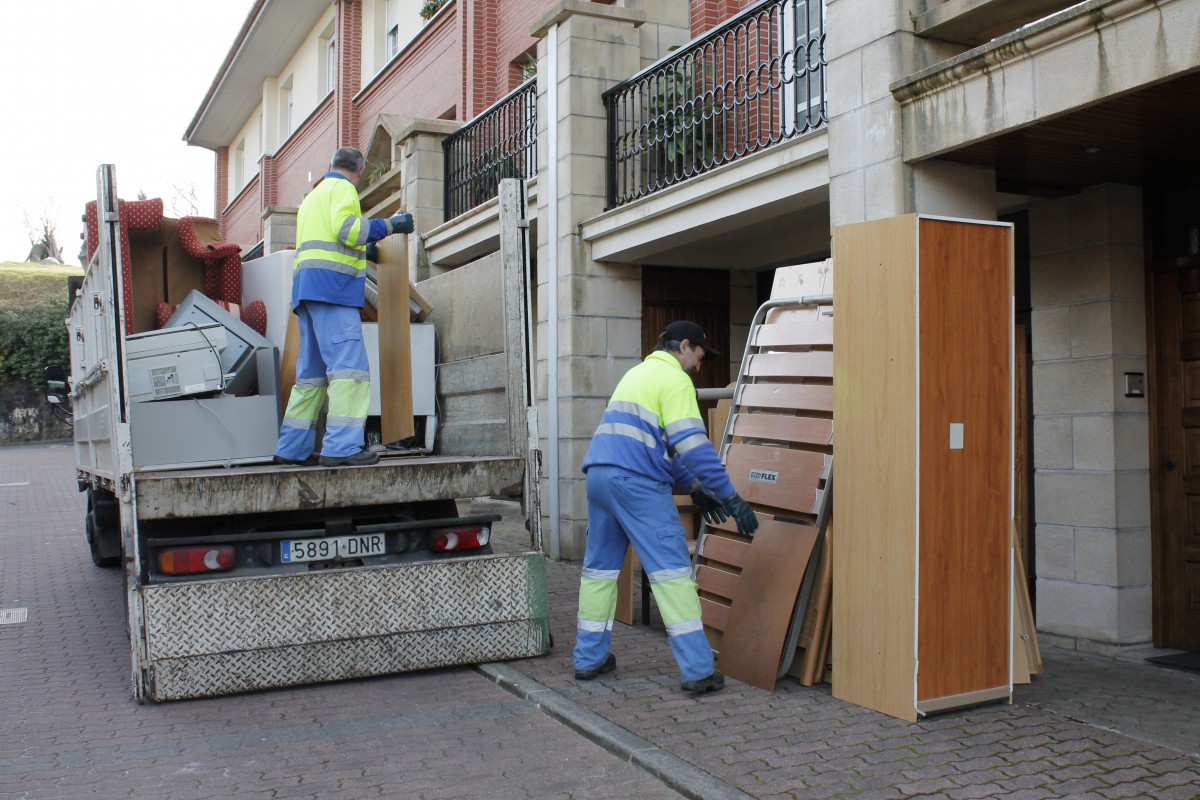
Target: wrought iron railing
point(753, 82)
point(499, 143)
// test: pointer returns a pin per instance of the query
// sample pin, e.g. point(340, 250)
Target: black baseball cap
point(682, 329)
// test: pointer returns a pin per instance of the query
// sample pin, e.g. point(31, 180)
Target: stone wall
point(27, 417)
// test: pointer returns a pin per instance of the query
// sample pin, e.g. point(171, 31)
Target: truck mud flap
point(243, 634)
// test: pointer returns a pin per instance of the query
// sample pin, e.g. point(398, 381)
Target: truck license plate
point(331, 547)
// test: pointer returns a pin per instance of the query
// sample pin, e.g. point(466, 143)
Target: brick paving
point(69, 728)
point(1089, 728)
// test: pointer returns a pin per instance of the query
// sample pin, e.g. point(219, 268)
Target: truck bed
point(259, 488)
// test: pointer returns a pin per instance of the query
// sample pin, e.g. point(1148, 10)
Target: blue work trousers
point(624, 509)
point(332, 363)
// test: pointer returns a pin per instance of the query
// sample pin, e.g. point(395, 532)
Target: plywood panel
point(716, 615)
point(875, 502)
point(794, 396)
point(965, 378)
point(726, 549)
point(468, 309)
point(764, 603)
point(776, 476)
point(395, 346)
point(797, 430)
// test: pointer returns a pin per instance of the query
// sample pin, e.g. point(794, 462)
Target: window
point(392, 29)
point(327, 63)
point(237, 167)
point(285, 109)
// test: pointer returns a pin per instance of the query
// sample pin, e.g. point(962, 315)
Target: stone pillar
point(599, 305)
point(870, 44)
point(1091, 443)
point(279, 228)
point(418, 149)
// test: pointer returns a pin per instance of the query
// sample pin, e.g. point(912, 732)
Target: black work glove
point(402, 222)
point(710, 507)
point(742, 513)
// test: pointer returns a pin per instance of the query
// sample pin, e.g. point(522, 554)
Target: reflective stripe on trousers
point(625, 509)
point(331, 363)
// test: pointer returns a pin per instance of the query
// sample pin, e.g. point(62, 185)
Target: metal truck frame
point(220, 635)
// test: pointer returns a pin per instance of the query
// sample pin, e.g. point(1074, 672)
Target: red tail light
point(460, 539)
point(192, 560)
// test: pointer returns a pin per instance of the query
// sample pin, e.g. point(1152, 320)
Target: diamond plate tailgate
point(240, 634)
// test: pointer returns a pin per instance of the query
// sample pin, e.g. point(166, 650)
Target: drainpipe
point(552, 293)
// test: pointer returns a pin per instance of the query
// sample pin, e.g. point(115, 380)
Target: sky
point(85, 83)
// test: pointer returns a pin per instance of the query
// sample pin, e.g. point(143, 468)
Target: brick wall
point(221, 194)
point(308, 150)
point(425, 82)
point(242, 222)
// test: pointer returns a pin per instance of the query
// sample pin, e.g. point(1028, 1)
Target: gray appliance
point(240, 358)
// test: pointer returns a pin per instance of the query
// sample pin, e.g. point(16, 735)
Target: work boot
point(311, 461)
point(713, 683)
point(609, 665)
point(362, 458)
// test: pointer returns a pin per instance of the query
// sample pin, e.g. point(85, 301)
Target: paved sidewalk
point(1090, 727)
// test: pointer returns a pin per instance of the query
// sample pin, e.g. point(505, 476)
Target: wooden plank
point(874, 564)
point(792, 396)
point(791, 334)
point(775, 476)
point(395, 346)
point(816, 616)
point(517, 306)
point(965, 494)
point(726, 550)
point(1025, 629)
point(764, 602)
point(287, 359)
point(715, 615)
point(816, 431)
point(717, 581)
point(814, 364)
point(626, 581)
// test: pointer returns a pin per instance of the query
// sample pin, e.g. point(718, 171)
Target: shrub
point(32, 336)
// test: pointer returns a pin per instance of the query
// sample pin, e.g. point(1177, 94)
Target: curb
point(685, 778)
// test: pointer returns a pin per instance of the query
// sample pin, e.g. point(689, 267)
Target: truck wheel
point(103, 537)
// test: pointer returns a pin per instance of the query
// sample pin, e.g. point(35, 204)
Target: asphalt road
point(69, 728)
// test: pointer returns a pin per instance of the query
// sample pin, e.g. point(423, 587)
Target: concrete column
point(279, 228)
point(598, 324)
point(870, 44)
point(1091, 443)
point(418, 149)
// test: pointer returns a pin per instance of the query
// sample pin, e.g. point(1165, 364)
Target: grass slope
point(27, 284)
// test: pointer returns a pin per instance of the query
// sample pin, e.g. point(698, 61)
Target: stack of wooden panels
point(777, 448)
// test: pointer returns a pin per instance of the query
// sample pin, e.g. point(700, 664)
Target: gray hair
point(348, 159)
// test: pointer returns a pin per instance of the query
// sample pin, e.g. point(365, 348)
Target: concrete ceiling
point(272, 33)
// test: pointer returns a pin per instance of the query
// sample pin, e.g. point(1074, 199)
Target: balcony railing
point(499, 143)
point(757, 80)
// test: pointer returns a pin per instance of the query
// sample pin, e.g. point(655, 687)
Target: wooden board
point(763, 602)
point(782, 334)
point(815, 364)
point(816, 616)
point(874, 564)
point(792, 396)
point(782, 428)
point(287, 359)
point(395, 348)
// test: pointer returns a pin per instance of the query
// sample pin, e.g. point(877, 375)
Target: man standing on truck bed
point(327, 295)
point(650, 438)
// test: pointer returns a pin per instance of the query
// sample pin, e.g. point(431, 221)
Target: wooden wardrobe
point(923, 432)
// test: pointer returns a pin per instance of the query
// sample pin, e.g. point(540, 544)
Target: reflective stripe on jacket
point(331, 239)
point(652, 427)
